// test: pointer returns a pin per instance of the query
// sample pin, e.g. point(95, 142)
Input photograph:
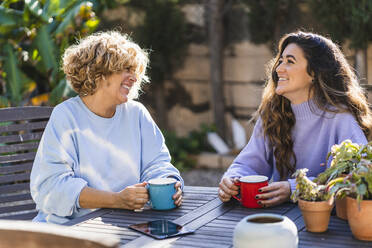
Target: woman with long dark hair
point(312, 101)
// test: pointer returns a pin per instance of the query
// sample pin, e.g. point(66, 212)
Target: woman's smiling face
point(117, 86)
point(294, 81)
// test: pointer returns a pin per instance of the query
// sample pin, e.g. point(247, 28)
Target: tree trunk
point(361, 65)
point(216, 33)
point(161, 111)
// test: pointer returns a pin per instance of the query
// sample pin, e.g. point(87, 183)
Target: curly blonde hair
point(335, 89)
point(102, 54)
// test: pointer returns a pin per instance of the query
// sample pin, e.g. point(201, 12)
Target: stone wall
point(244, 73)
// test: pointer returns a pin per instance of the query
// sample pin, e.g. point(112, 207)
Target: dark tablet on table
point(161, 229)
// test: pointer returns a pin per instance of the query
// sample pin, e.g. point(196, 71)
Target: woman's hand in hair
point(274, 194)
point(227, 189)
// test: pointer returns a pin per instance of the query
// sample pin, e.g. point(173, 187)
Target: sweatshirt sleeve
point(343, 127)
point(54, 186)
point(348, 128)
point(255, 159)
point(155, 154)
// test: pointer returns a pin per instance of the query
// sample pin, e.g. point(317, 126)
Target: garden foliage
point(33, 35)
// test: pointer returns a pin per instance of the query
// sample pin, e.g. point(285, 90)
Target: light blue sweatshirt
point(79, 149)
point(313, 135)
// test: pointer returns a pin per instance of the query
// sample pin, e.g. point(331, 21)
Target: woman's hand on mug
point(274, 194)
point(177, 197)
point(227, 188)
point(132, 197)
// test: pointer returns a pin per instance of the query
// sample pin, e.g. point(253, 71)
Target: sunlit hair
point(335, 88)
point(102, 54)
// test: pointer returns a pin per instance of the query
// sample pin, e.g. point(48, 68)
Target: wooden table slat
point(24, 216)
point(119, 231)
point(119, 214)
point(91, 215)
point(226, 234)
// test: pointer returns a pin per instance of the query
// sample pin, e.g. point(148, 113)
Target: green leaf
point(47, 50)
point(4, 102)
point(68, 18)
point(34, 6)
point(13, 75)
point(10, 17)
point(58, 92)
point(56, 7)
point(369, 181)
point(361, 189)
point(26, 84)
point(7, 3)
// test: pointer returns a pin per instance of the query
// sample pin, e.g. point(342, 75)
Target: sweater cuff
point(230, 175)
point(77, 204)
point(178, 178)
point(293, 184)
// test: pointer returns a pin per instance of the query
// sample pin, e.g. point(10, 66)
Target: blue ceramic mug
point(161, 191)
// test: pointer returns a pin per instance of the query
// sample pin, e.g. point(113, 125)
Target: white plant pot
point(264, 231)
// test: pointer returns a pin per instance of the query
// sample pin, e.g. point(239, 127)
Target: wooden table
point(213, 221)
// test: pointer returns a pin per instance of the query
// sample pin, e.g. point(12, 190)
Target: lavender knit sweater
point(314, 134)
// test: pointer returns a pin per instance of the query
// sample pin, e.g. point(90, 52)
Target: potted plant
point(313, 200)
point(357, 186)
point(345, 158)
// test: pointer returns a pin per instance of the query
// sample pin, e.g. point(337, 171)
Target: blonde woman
point(101, 147)
point(312, 101)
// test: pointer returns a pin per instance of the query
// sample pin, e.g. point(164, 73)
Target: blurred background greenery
point(182, 149)
point(35, 33)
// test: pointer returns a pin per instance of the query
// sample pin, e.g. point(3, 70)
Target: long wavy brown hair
point(335, 88)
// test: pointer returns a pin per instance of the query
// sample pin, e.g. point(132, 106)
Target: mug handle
point(237, 183)
point(149, 201)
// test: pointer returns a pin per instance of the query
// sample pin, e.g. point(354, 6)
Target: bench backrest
point(20, 131)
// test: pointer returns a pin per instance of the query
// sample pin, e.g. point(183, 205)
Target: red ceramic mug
point(249, 186)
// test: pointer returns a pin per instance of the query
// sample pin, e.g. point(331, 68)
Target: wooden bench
point(20, 131)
